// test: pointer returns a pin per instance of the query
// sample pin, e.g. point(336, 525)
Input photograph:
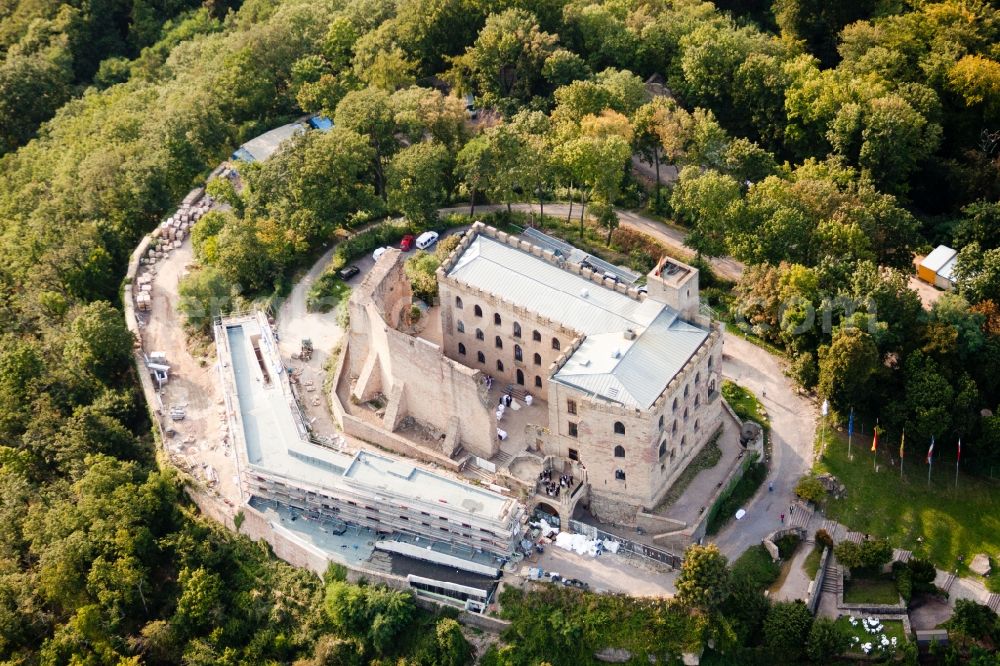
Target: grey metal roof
point(633, 373)
point(532, 282)
point(608, 364)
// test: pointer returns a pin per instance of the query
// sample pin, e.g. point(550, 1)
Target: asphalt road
point(793, 430)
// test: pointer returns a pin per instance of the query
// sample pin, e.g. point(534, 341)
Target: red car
point(407, 243)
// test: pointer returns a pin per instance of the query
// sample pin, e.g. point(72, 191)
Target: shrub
point(823, 537)
point(786, 629)
point(904, 580)
point(810, 489)
point(875, 552)
point(922, 571)
point(420, 271)
point(848, 554)
point(787, 545)
point(827, 640)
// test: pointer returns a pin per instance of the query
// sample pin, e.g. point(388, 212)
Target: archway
point(544, 510)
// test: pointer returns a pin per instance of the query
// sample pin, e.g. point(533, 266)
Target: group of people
point(551, 487)
point(488, 380)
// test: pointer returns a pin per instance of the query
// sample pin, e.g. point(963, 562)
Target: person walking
point(782, 519)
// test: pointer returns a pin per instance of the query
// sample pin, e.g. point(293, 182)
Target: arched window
point(697, 378)
point(499, 366)
point(536, 336)
point(673, 429)
point(697, 399)
point(684, 441)
point(620, 474)
point(711, 387)
point(498, 343)
point(520, 377)
point(661, 421)
point(481, 357)
point(461, 349)
point(555, 344)
point(478, 311)
point(479, 334)
point(619, 451)
point(663, 448)
point(517, 330)
point(710, 359)
point(496, 318)
point(538, 359)
point(686, 391)
point(697, 425)
point(518, 354)
point(458, 302)
point(674, 408)
point(538, 381)
point(673, 454)
point(619, 428)
point(461, 326)
point(685, 413)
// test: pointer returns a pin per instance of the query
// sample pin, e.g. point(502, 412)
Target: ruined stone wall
point(412, 373)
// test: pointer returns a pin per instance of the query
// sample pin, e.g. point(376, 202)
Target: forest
point(822, 144)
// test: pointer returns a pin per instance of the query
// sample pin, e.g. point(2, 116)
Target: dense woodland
point(821, 143)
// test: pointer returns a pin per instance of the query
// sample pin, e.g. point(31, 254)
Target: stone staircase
point(832, 578)
point(948, 582)
point(994, 602)
point(854, 537)
point(900, 555)
point(501, 459)
point(801, 517)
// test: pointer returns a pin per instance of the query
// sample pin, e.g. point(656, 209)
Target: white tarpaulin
point(580, 544)
point(546, 529)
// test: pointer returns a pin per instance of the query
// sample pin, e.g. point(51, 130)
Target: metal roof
point(631, 370)
point(529, 281)
point(262, 147)
point(937, 259)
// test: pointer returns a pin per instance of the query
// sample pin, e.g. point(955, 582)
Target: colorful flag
point(850, 423)
point(875, 440)
point(930, 451)
point(959, 456)
point(902, 439)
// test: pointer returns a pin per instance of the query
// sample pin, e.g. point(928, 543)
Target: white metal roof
point(262, 147)
point(948, 270)
point(531, 282)
point(632, 372)
point(937, 259)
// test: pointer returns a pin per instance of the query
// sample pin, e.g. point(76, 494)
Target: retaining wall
point(816, 586)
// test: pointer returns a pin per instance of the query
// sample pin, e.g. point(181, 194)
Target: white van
point(426, 239)
point(378, 252)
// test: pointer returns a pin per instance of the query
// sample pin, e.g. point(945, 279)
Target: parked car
point(407, 243)
point(348, 272)
point(378, 252)
point(426, 239)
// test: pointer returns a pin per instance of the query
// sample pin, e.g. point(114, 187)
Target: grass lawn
point(881, 590)
point(326, 293)
point(707, 458)
point(756, 565)
point(811, 564)
point(890, 628)
point(951, 522)
point(744, 403)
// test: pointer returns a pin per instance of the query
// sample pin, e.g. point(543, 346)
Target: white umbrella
point(740, 514)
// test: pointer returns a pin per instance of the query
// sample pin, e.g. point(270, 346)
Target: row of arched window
point(498, 321)
point(519, 374)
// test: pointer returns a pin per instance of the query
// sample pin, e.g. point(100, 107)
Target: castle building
point(630, 377)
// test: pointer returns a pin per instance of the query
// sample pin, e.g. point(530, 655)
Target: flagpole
point(875, 447)
point(957, 459)
point(850, 434)
point(902, 441)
